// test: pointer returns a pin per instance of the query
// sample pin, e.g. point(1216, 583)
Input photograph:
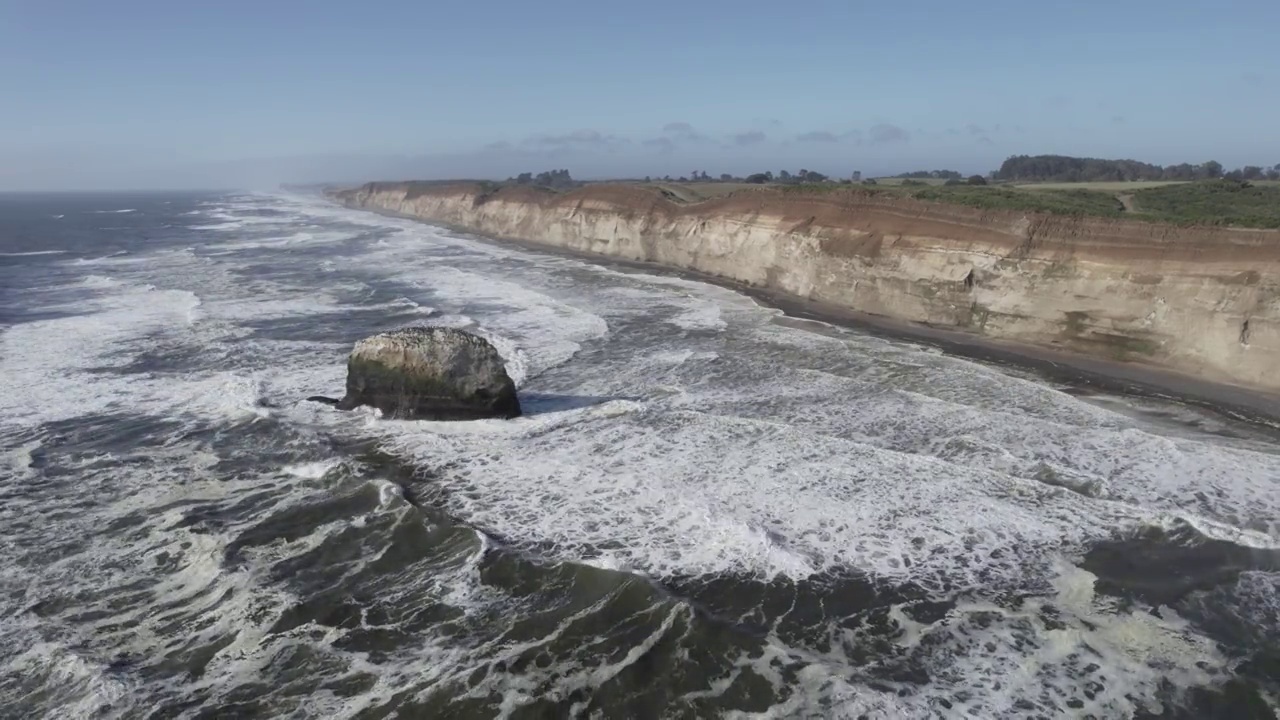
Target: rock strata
point(1202, 301)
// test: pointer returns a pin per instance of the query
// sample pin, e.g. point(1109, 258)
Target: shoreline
point(1238, 403)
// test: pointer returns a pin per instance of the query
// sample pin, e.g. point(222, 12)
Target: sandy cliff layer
point(1196, 300)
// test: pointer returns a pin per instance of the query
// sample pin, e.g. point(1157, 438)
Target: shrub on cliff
point(1212, 202)
point(1057, 202)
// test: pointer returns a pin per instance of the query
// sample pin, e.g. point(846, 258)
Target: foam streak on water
point(706, 511)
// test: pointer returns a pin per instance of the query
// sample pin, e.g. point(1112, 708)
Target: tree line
point(1064, 168)
point(550, 178)
point(931, 175)
point(785, 177)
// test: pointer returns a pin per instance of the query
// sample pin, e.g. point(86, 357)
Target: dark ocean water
point(709, 510)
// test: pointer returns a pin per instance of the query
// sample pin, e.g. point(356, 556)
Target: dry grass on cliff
point(694, 192)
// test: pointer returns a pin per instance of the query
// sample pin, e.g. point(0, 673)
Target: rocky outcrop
point(429, 373)
point(1202, 301)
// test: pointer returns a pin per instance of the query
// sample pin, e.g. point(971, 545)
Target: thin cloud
point(682, 132)
point(753, 137)
point(975, 129)
point(499, 146)
point(884, 133)
point(661, 144)
point(818, 136)
point(578, 139)
point(1253, 78)
point(1118, 120)
point(984, 140)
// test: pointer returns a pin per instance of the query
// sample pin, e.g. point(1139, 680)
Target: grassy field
point(892, 181)
point(994, 197)
point(1210, 202)
point(1112, 187)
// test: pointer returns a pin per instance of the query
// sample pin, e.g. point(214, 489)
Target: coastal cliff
point(1200, 301)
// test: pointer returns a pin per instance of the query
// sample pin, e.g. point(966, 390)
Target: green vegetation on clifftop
point(1223, 202)
point(1057, 202)
point(1209, 202)
point(1215, 202)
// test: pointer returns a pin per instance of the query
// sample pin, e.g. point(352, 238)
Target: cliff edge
point(1198, 300)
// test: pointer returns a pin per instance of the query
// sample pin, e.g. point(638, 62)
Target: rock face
point(430, 373)
point(1202, 301)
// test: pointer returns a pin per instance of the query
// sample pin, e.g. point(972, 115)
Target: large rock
point(430, 373)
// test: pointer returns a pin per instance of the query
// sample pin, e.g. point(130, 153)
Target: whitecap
point(702, 317)
point(34, 252)
point(20, 459)
point(311, 470)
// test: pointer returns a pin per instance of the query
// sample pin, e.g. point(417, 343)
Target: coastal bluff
point(1201, 301)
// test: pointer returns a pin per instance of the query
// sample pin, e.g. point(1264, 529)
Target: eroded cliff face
point(1196, 300)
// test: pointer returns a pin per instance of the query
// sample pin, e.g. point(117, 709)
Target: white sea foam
point(33, 253)
point(115, 212)
point(100, 260)
point(546, 332)
point(81, 686)
point(51, 366)
point(229, 225)
point(679, 357)
point(19, 459)
point(311, 470)
point(704, 317)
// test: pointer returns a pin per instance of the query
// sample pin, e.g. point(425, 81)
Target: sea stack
point(430, 373)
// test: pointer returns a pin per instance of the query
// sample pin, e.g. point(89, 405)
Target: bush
point(977, 180)
point(951, 182)
point(1057, 202)
point(1212, 202)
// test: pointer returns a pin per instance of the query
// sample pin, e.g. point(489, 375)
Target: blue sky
point(155, 94)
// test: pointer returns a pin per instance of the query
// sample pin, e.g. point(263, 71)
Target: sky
point(151, 94)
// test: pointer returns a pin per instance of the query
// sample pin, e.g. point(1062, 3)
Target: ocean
point(709, 510)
